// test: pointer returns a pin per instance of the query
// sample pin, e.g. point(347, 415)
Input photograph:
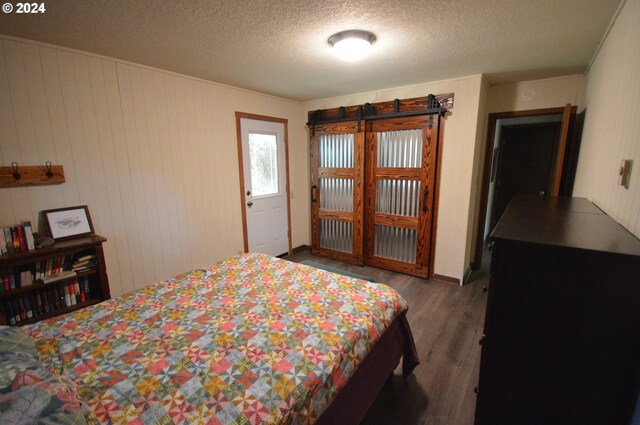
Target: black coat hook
point(48, 172)
point(16, 174)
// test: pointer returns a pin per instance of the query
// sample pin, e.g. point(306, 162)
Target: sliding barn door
point(401, 155)
point(337, 171)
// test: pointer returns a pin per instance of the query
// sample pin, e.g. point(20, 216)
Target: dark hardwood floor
point(446, 321)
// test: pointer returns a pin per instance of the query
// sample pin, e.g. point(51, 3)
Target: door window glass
point(263, 154)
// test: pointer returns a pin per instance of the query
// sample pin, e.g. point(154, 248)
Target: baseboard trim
point(301, 248)
point(447, 279)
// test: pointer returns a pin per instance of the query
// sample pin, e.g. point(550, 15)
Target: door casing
point(568, 113)
point(239, 116)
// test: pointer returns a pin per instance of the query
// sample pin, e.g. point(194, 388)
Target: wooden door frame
point(285, 122)
point(436, 202)
point(567, 111)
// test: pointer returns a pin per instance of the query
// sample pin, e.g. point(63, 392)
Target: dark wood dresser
point(561, 341)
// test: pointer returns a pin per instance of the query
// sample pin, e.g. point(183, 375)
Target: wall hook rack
point(31, 175)
point(49, 172)
point(15, 174)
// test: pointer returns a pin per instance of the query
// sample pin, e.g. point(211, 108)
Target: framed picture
point(66, 223)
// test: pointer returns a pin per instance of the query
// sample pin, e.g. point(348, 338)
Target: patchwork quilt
point(251, 340)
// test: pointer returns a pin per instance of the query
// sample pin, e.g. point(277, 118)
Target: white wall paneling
point(153, 155)
point(612, 125)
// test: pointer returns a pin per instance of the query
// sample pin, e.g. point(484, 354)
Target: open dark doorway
point(559, 176)
point(525, 163)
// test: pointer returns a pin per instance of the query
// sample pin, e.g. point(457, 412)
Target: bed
point(253, 339)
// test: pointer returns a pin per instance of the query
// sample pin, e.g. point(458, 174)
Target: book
point(45, 302)
point(22, 237)
point(22, 309)
point(85, 258)
point(16, 311)
point(5, 280)
point(38, 304)
point(12, 278)
point(85, 281)
point(28, 232)
point(85, 266)
point(15, 239)
point(72, 293)
point(3, 243)
point(27, 306)
point(11, 314)
point(54, 277)
point(8, 240)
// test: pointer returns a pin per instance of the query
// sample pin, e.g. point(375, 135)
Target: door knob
point(249, 204)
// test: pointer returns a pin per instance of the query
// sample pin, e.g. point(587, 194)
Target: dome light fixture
point(352, 45)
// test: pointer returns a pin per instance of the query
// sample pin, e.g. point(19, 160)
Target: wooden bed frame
point(353, 402)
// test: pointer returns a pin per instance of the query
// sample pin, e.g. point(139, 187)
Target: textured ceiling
point(280, 46)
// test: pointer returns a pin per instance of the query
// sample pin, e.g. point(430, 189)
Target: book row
point(47, 271)
point(17, 238)
point(46, 300)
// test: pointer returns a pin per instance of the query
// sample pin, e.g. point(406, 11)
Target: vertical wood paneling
point(135, 125)
point(199, 155)
point(166, 213)
point(123, 208)
point(9, 136)
point(612, 129)
point(152, 154)
point(109, 207)
point(151, 163)
point(185, 115)
point(67, 193)
point(220, 97)
point(39, 147)
point(174, 167)
point(22, 146)
point(75, 86)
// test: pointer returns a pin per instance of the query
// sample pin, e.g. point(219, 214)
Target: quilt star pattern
point(251, 340)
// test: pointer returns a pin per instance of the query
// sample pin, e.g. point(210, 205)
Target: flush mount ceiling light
point(352, 45)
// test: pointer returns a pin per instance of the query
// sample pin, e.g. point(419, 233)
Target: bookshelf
point(26, 298)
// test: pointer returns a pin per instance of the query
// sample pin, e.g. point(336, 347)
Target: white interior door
point(265, 194)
